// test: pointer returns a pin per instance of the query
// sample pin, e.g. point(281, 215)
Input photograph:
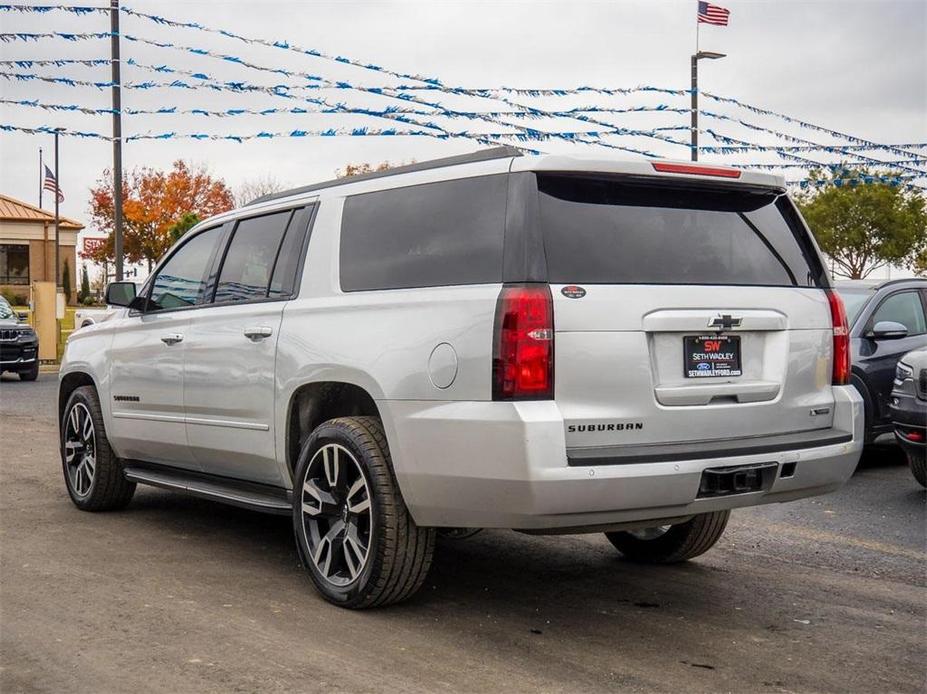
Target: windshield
point(6, 311)
point(853, 301)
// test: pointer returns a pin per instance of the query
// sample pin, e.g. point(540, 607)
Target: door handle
point(172, 338)
point(258, 333)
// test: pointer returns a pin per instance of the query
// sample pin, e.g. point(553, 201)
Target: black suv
point(887, 319)
point(909, 410)
point(19, 347)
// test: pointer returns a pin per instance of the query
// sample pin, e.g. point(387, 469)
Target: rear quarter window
point(444, 233)
point(601, 230)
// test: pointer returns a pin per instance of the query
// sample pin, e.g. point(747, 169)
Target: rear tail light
point(913, 436)
point(523, 344)
point(841, 372)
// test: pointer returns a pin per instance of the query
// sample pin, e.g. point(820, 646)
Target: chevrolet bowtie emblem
point(724, 321)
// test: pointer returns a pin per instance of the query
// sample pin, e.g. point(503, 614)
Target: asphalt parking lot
point(178, 594)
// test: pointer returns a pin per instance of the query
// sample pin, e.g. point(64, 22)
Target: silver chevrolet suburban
point(553, 344)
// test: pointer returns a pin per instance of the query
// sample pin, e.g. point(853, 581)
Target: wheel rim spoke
point(331, 466)
point(358, 503)
point(336, 506)
point(79, 449)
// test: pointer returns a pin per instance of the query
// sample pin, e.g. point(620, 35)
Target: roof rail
point(899, 280)
point(479, 155)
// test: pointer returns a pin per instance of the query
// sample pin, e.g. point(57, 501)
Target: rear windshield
point(600, 230)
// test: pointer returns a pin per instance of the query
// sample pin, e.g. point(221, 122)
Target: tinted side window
point(430, 235)
point(182, 280)
point(904, 308)
point(250, 258)
point(283, 282)
point(600, 230)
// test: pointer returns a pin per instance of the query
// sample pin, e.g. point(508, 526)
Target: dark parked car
point(19, 347)
point(909, 410)
point(887, 319)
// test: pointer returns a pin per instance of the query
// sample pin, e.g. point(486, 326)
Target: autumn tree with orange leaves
point(153, 202)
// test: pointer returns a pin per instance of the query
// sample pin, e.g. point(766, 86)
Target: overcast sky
point(856, 67)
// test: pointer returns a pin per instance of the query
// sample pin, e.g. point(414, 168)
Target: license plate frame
point(711, 356)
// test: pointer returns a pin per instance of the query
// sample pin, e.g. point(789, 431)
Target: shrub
point(66, 281)
point(15, 298)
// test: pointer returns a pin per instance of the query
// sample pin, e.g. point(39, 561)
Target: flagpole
point(696, 26)
point(57, 231)
point(41, 178)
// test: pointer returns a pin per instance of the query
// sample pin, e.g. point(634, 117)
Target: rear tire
point(31, 374)
point(674, 543)
point(353, 531)
point(918, 465)
point(92, 473)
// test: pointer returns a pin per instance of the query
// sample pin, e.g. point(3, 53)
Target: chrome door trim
point(231, 424)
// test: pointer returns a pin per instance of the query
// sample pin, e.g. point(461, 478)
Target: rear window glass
point(430, 235)
point(249, 260)
point(601, 230)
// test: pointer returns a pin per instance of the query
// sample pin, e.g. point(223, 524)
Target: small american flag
point(51, 184)
point(712, 14)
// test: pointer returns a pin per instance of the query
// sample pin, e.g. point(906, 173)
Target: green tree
point(919, 263)
point(66, 280)
point(84, 285)
point(862, 222)
point(183, 225)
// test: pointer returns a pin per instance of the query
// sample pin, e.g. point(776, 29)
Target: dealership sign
point(92, 246)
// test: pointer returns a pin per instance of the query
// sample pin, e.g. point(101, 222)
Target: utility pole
point(117, 137)
point(694, 124)
point(699, 55)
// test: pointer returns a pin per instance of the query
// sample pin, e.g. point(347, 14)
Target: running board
point(250, 495)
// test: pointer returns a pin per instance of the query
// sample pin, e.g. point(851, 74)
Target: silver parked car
point(552, 344)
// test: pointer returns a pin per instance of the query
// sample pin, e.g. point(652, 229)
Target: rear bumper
point(505, 465)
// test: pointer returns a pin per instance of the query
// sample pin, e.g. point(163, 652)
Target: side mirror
point(120, 293)
point(888, 330)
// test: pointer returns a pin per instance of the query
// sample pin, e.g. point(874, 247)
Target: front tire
point(353, 531)
point(92, 473)
point(918, 465)
point(31, 374)
point(673, 543)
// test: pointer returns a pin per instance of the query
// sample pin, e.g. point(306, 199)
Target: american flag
point(51, 184)
point(712, 14)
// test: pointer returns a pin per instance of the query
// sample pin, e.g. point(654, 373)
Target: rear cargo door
point(683, 312)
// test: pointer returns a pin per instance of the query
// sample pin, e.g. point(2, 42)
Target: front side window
point(904, 308)
point(181, 282)
point(14, 264)
point(250, 258)
point(853, 301)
